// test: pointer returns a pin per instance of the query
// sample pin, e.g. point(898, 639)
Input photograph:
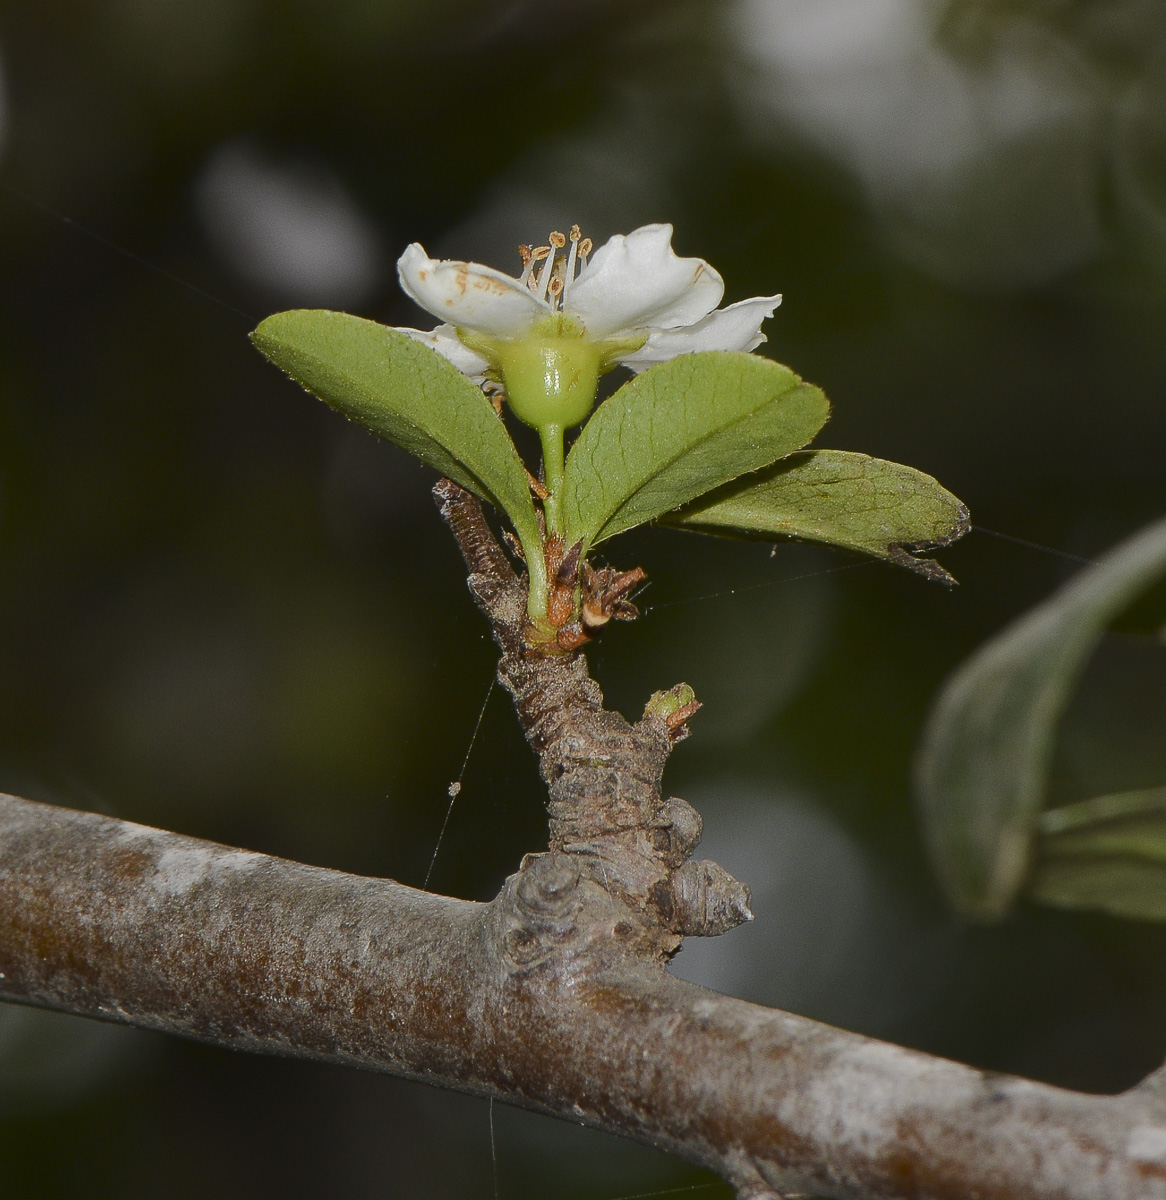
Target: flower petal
point(637, 281)
point(737, 327)
point(468, 295)
point(445, 341)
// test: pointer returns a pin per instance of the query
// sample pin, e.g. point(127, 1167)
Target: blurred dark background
point(227, 612)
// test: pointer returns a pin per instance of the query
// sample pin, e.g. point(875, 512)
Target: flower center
point(550, 368)
point(549, 272)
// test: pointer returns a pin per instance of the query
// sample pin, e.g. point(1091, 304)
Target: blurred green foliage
point(983, 764)
point(230, 613)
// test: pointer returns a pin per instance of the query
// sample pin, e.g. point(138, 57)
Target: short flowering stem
point(545, 338)
point(551, 437)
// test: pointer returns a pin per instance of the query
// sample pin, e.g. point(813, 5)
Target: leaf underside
point(677, 431)
point(983, 762)
point(1107, 854)
point(404, 392)
point(842, 499)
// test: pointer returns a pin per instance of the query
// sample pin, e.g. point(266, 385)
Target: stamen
point(533, 282)
point(572, 258)
point(560, 278)
point(545, 278)
point(585, 249)
point(557, 240)
point(527, 263)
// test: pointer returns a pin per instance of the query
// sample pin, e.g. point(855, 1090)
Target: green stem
point(536, 568)
point(551, 437)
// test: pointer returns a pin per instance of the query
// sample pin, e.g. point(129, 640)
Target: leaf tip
point(265, 337)
point(928, 568)
point(904, 554)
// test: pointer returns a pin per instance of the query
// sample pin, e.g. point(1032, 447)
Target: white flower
point(636, 301)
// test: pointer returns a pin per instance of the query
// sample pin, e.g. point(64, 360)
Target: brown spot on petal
point(494, 286)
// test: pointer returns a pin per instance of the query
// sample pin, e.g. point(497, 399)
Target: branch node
point(704, 899)
point(679, 828)
point(673, 708)
point(605, 593)
point(547, 884)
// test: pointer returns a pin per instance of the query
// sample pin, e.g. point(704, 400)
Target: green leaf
point(409, 394)
point(1108, 853)
point(840, 498)
point(679, 430)
point(983, 762)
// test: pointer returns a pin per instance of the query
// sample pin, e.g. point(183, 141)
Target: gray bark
point(543, 998)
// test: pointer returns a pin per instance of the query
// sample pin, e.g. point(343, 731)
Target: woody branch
point(535, 999)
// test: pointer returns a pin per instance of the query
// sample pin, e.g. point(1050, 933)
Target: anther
point(555, 287)
point(576, 233)
point(585, 249)
point(557, 240)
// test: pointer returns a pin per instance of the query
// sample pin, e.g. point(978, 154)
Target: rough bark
point(544, 999)
point(555, 996)
point(607, 812)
